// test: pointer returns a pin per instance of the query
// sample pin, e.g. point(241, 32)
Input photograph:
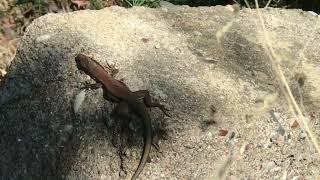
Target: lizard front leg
point(112, 69)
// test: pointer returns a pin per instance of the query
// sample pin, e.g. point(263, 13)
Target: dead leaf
point(80, 3)
point(223, 132)
point(295, 124)
point(145, 40)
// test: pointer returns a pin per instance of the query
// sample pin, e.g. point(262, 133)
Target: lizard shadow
point(128, 129)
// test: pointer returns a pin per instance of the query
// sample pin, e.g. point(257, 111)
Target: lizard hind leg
point(145, 95)
point(123, 110)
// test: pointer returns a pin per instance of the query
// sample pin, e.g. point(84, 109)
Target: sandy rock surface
point(206, 64)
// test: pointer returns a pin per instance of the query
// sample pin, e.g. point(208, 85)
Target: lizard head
point(82, 62)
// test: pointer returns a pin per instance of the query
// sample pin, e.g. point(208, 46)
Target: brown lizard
point(117, 91)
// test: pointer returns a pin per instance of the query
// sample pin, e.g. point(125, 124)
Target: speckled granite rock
point(191, 59)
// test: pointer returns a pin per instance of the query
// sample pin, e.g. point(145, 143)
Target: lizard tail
point(147, 147)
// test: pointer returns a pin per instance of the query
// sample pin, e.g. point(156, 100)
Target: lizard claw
point(111, 68)
point(156, 146)
point(164, 110)
point(91, 86)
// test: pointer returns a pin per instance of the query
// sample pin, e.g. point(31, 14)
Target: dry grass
point(283, 83)
point(271, 99)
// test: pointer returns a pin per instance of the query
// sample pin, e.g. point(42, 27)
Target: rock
point(183, 64)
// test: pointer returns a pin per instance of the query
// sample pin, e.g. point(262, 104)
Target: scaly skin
point(117, 91)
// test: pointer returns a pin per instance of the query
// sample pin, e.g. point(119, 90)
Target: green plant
point(95, 5)
point(18, 2)
point(2, 14)
point(132, 3)
point(149, 3)
point(39, 5)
